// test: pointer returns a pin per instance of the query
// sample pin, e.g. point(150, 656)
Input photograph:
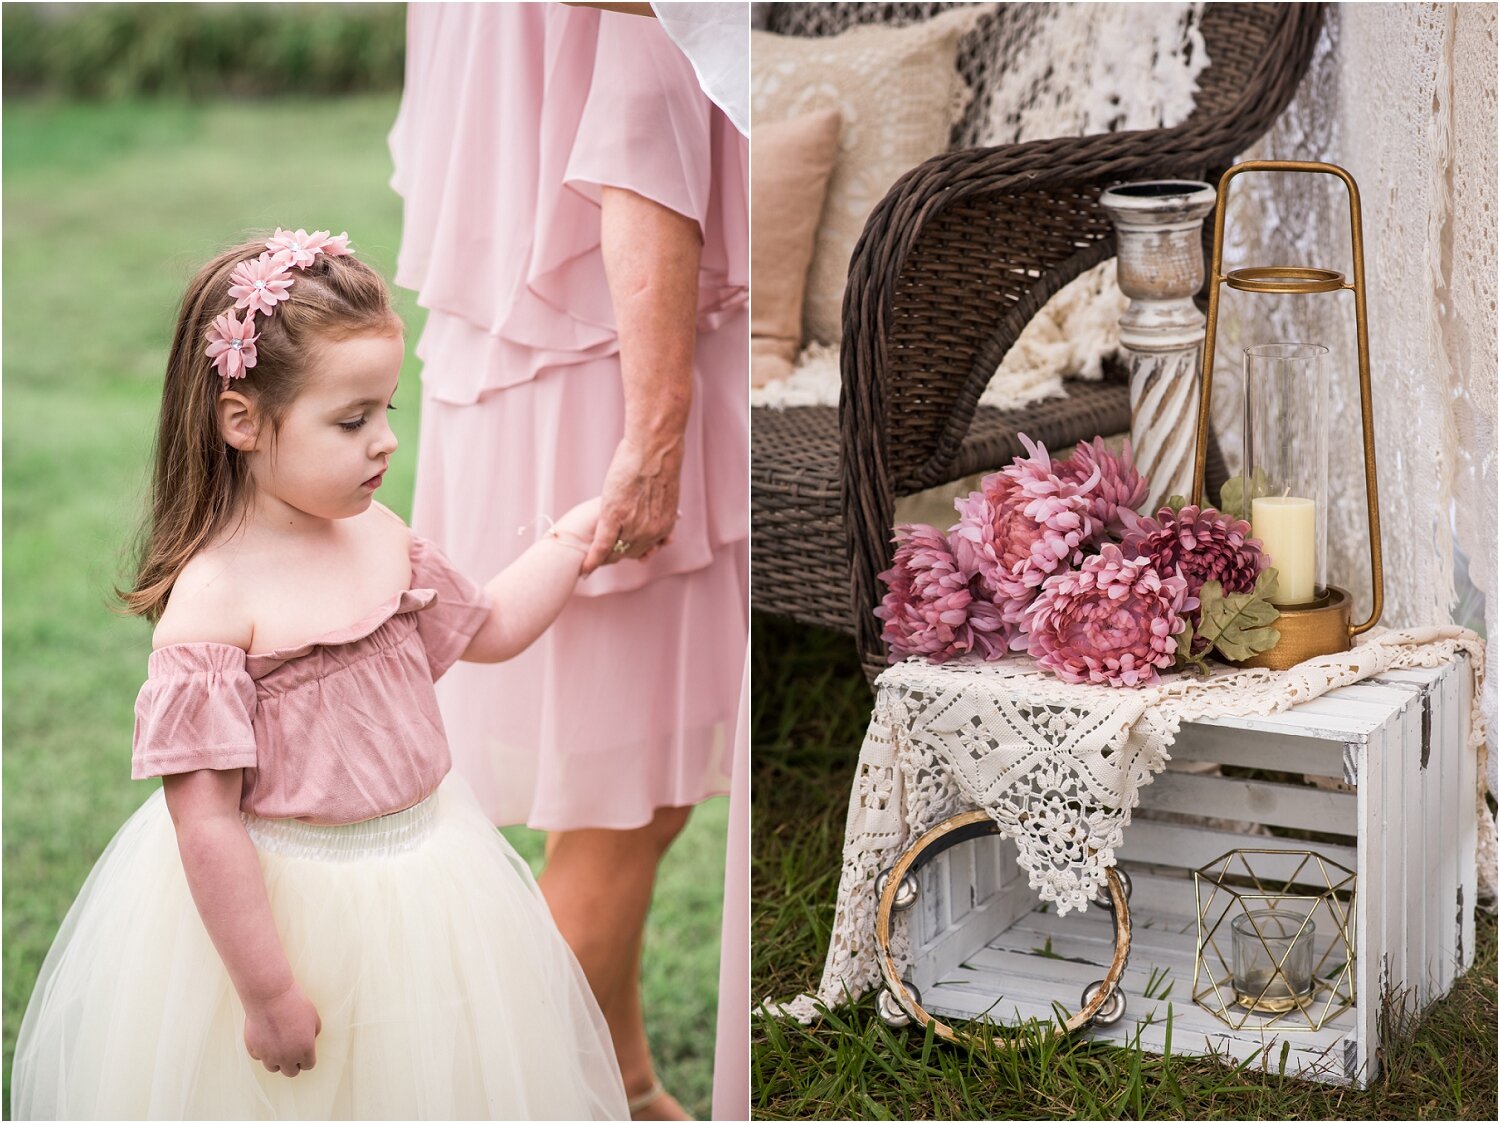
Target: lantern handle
point(1367, 418)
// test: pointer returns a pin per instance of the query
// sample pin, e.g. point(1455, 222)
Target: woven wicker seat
point(953, 263)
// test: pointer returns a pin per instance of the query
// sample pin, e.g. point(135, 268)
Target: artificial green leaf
point(1186, 660)
point(1239, 625)
point(1176, 502)
point(1233, 499)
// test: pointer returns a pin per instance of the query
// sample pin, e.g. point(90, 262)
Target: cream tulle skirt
point(445, 990)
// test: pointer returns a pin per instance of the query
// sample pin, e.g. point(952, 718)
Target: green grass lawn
point(107, 211)
point(811, 706)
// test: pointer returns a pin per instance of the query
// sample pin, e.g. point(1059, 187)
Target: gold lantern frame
point(1234, 879)
point(1322, 628)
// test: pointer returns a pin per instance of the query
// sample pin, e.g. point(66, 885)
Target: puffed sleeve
point(461, 608)
point(196, 710)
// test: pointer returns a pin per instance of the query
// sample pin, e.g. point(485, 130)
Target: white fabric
point(444, 987)
point(716, 39)
point(1403, 96)
point(1027, 747)
point(1079, 74)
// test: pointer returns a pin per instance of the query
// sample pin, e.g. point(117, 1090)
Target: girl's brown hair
point(198, 482)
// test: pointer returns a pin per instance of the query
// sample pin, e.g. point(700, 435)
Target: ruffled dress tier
point(514, 119)
point(444, 988)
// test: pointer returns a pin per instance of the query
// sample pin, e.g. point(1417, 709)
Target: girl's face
point(335, 441)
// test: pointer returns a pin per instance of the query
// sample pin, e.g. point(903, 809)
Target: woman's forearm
point(224, 876)
point(651, 257)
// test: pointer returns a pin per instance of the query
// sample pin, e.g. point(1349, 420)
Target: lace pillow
point(899, 94)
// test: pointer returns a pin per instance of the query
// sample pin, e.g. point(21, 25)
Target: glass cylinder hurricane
point(1286, 464)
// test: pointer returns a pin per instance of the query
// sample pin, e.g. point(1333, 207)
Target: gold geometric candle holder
point(1275, 939)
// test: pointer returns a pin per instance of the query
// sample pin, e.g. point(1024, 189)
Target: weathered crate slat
point(1400, 813)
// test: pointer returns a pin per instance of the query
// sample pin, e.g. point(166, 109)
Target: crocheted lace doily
point(1032, 750)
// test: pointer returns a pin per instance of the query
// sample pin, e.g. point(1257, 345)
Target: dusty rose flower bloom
point(1203, 544)
point(1114, 621)
point(1024, 524)
point(1120, 486)
point(928, 607)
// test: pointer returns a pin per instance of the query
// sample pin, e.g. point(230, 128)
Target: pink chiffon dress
point(515, 116)
point(444, 987)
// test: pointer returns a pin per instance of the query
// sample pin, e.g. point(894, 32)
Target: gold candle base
point(1320, 628)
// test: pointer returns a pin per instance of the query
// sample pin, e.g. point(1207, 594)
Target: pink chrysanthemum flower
point(1203, 545)
point(1114, 621)
point(259, 285)
point(928, 608)
point(299, 248)
point(1025, 524)
point(1120, 488)
point(231, 345)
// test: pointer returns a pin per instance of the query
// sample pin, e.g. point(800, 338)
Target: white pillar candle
point(1287, 527)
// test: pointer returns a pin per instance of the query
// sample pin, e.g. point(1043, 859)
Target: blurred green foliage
point(195, 50)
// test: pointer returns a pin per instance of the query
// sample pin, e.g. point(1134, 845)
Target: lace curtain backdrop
point(1404, 97)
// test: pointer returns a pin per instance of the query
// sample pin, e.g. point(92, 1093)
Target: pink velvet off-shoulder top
point(336, 730)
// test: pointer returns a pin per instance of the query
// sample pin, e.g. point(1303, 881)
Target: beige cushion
point(789, 168)
point(898, 92)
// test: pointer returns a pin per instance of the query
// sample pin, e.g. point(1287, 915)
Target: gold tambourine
point(1103, 1001)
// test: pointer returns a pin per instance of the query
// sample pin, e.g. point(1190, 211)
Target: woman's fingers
point(606, 534)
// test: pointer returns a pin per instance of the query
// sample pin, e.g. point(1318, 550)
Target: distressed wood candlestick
point(1160, 262)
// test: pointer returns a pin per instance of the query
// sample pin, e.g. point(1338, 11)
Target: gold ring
point(620, 546)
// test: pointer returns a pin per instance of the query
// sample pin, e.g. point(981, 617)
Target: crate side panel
point(1253, 801)
point(1282, 752)
point(1468, 841)
point(1369, 908)
point(1170, 844)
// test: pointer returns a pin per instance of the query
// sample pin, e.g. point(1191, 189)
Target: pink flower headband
point(260, 285)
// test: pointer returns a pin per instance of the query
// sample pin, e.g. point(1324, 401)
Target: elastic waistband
point(388, 834)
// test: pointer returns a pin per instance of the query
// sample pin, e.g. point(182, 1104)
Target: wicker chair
point(958, 257)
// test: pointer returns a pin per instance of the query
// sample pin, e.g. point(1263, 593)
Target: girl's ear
point(239, 423)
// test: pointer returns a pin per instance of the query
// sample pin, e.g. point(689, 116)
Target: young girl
point(308, 921)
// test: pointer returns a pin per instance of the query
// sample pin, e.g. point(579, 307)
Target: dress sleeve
point(196, 710)
point(646, 125)
point(461, 608)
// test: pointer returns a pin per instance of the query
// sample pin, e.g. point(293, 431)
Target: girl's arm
point(223, 872)
point(527, 595)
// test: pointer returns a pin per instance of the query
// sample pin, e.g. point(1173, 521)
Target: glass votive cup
point(1273, 959)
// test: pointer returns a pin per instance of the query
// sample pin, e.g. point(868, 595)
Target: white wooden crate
point(1405, 821)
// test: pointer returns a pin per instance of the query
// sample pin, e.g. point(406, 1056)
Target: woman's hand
point(639, 503)
point(280, 1031)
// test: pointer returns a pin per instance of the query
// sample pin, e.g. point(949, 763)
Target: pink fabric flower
point(1114, 621)
point(338, 245)
point(1203, 545)
point(231, 345)
point(299, 248)
point(1024, 524)
point(1120, 486)
point(259, 285)
point(929, 609)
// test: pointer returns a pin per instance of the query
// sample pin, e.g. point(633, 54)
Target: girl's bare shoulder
point(208, 602)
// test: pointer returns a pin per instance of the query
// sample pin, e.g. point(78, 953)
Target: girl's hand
point(579, 523)
point(639, 503)
point(280, 1031)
